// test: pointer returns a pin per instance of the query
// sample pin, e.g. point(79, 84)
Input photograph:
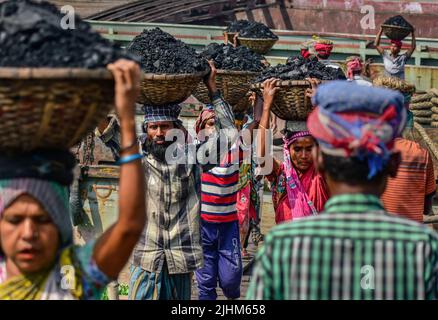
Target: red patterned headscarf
point(398, 43)
point(323, 49)
point(353, 66)
point(203, 117)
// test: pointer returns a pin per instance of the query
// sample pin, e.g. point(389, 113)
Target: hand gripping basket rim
point(302, 110)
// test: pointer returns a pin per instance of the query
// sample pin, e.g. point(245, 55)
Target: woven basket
point(290, 102)
point(434, 117)
point(160, 89)
point(51, 108)
point(395, 32)
point(234, 85)
point(435, 110)
point(434, 124)
point(261, 46)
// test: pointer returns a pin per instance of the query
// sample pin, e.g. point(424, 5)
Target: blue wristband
point(130, 158)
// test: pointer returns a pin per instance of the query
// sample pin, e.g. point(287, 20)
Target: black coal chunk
point(229, 58)
point(251, 29)
point(399, 21)
point(237, 25)
point(298, 68)
point(32, 35)
point(160, 52)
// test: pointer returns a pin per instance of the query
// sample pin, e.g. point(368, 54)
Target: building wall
point(86, 8)
point(344, 16)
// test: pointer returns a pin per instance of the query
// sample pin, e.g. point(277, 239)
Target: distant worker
point(393, 61)
point(416, 175)
point(354, 71)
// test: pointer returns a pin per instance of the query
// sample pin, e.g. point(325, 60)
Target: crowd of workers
point(350, 192)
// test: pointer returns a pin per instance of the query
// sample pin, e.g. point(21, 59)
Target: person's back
point(354, 251)
point(407, 193)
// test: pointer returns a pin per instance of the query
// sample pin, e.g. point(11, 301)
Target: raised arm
point(269, 91)
point(413, 45)
point(224, 120)
point(377, 42)
point(114, 247)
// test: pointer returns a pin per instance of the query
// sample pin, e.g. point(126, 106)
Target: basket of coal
point(233, 29)
point(237, 67)
point(172, 69)
point(258, 37)
point(291, 102)
point(54, 85)
point(397, 28)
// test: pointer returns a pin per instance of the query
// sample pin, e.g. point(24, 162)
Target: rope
point(432, 147)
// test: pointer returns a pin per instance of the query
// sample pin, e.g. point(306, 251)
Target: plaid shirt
point(172, 231)
point(354, 250)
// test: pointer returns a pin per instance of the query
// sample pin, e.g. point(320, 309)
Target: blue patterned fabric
point(340, 96)
point(161, 113)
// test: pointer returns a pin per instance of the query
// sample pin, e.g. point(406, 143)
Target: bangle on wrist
point(130, 158)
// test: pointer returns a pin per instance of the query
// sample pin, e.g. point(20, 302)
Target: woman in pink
point(297, 188)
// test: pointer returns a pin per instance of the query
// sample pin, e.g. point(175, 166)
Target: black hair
point(351, 170)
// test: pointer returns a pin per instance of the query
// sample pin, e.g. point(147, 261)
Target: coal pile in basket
point(237, 67)
point(229, 58)
point(256, 30)
point(398, 21)
point(290, 102)
point(237, 26)
point(298, 68)
point(54, 87)
point(172, 68)
point(31, 35)
point(254, 35)
point(161, 53)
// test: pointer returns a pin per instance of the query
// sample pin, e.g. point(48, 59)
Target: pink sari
point(296, 196)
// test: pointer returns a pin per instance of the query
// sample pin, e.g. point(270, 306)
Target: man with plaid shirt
point(170, 249)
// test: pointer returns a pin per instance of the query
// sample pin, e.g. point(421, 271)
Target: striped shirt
point(352, 251)
point(415, 177)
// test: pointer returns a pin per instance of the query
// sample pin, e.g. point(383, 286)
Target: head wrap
point(398, 43)
point(204, 116)
point(51, 195)
point(357, 121)
point(168, 112)
point(323, 49)
point(353, 65)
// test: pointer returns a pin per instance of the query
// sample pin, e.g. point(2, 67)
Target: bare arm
point(413, 45)
point(224, 120)
point(377, 42)
point(114, 247)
